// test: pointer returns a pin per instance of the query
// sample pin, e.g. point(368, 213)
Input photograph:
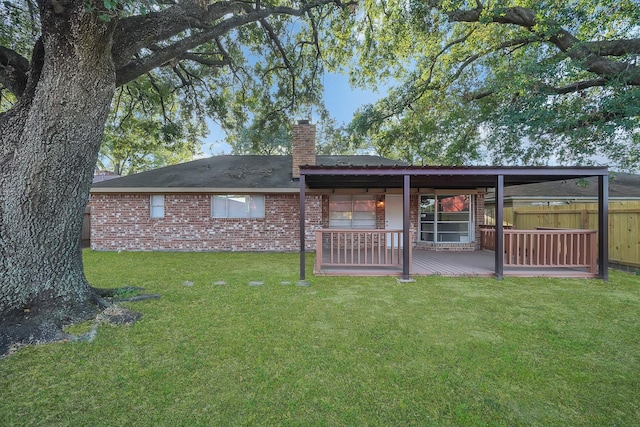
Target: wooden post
point(499, 236)
point(406, 223)
point(319, 254)
point(591, 242)
point(302, 226)
point(603, 227)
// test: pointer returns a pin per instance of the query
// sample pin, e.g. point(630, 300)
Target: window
point(237, 206)
point(446, 218)
point(347, 211)
point(157, 206)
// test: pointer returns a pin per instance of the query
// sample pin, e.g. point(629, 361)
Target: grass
point(344, 351)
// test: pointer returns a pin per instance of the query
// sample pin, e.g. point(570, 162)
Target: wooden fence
point(624, 224)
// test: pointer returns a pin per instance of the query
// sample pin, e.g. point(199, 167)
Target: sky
point(340, 99)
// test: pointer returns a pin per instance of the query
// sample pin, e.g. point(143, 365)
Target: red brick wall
point(122, 222)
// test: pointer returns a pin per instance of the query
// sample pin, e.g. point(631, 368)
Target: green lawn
point(344, 351)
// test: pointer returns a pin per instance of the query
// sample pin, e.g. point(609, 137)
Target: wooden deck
point(528, 253)
point(428, 263)
point(451, 264)
point(481, 263)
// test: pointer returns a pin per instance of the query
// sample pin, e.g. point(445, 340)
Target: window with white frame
point(237, 206)
point(446, 218)
point(347, 211)
point(156, 209)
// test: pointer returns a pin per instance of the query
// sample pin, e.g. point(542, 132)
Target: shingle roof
point(623, 185)
point(231, 171)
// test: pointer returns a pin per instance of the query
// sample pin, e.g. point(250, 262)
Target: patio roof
point(460, 177)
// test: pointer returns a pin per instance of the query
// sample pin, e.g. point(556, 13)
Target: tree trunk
point(49, 144)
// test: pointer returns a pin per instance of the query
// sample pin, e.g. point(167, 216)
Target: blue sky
point(340, 98)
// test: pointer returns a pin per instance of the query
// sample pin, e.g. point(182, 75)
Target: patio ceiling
point(441, 177)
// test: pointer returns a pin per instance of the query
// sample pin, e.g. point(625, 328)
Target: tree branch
point(283, 54)
point(597, 64)
point(152, 80)
point(509, 43)
point(576, 49)
point(614, 47)
point(445, 48)
point(160, 56)
point(129, 71)
point(217, 63)
point(547, 89)
point(276, 41)
point(183, 79)
point(14, 71)
point(574, 87)
point(141, 31)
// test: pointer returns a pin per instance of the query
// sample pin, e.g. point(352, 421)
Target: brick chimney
point(304, 146)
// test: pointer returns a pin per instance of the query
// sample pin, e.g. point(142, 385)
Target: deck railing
point(546, 247)
point(488, 238)
point(358, 248)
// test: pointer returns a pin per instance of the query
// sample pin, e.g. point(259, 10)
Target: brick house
point(363, 209)
point(251, 203)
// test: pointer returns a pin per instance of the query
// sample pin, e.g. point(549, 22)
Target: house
point(358, 213)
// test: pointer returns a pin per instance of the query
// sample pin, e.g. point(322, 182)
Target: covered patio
point(557, 253)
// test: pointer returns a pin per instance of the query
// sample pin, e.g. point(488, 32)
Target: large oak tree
point(501, 81)
point(60, 64)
